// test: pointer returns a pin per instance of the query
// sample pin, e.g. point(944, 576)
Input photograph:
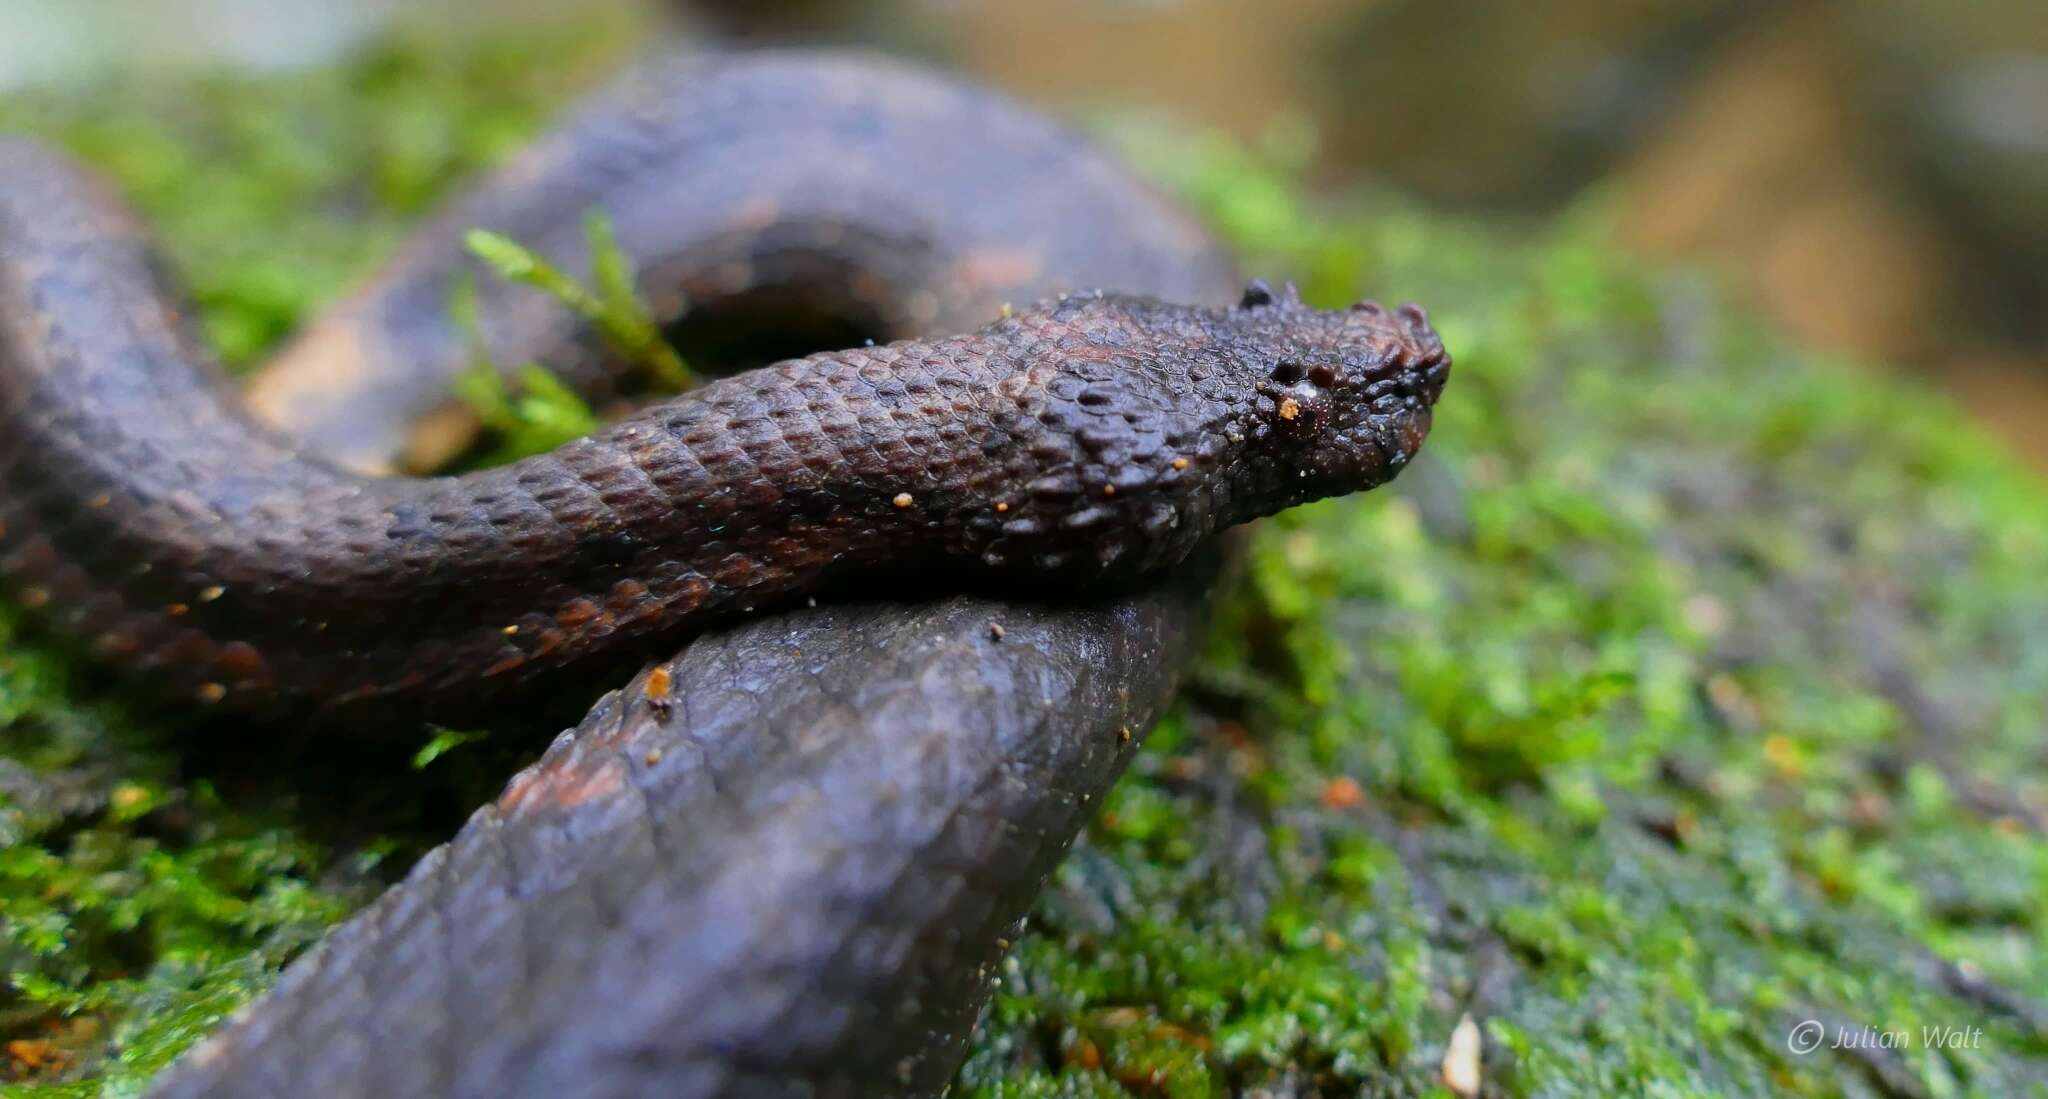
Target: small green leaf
point(443, 742)
point(506, 256)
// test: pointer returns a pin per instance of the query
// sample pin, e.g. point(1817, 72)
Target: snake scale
point(784, 861)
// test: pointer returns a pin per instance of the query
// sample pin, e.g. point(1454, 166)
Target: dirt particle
point(211, 693)
point(35, 597)
point(100, 501)
point(1180, 463)
point(1002, 506)
point(652, 757)
point(903, 500)
point(37, 1054)
point(208, 595)
point(1461, 1058)
point(511, 631)
point(1289, 408)
point(1343, 792)
point(995, 630)
point(1109, 490)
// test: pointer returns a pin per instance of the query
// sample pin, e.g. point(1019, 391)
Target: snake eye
point(1256, 293)
point(1286, 373)
point(1322, 376)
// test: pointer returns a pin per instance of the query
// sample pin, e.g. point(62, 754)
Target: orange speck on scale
point(1180, 463)
point(652, 757)
point(177, 610)
point(1109, 490)
point(511, 631)
point(212, 692)
point(903, 500)
point(208, 595)
point(658, 683)
point(100, 501)
point(1289, 408)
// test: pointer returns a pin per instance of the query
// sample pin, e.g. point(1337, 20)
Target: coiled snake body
point(781, 862)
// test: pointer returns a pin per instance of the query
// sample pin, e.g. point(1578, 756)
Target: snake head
point(1339, 400)
point(1157, 425)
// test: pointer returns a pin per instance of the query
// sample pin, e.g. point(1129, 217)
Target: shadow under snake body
point(787, 860)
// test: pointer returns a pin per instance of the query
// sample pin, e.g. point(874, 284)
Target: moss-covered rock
point(1686, 690)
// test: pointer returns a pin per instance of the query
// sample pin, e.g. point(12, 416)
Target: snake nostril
point(1287, 373)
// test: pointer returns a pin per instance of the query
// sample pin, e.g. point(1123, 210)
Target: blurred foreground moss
point(1685, 690)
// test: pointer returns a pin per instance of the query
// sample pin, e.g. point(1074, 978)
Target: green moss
point(1685, 689)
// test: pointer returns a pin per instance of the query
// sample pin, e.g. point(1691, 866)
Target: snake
point(903, 594)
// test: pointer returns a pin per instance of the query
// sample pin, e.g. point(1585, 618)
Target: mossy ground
point(1686, 689)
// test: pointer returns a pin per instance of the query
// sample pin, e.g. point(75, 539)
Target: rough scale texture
point(1092, 438)
point(791, 872)
point(1079, 444)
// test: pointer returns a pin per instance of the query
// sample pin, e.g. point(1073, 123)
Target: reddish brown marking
point(626, 595)
point(239, 660)
point(577, 612)
point(562, 785)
